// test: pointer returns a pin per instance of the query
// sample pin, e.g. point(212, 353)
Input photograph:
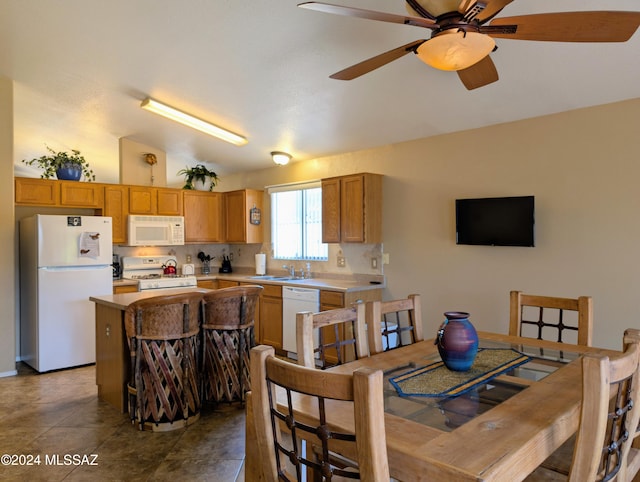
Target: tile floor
point(58, 414)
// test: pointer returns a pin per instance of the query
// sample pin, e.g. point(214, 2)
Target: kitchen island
point(113, 362)
point(112, 354)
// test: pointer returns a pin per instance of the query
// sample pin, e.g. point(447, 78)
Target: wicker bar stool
point(163, 333)
point(228, 332)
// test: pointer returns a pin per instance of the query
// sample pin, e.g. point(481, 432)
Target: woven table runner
point(436, 380)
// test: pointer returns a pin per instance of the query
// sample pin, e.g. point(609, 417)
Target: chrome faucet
point(291, 268)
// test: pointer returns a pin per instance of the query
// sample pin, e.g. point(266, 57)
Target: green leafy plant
point(198, 173)
point(58, 160)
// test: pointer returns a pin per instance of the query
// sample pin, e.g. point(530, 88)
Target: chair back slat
point(348, 328)
point(545, 308)
point(279, 386)
point(609, 415)
point(405, 329)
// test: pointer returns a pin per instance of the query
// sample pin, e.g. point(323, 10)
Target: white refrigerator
point(63, 261)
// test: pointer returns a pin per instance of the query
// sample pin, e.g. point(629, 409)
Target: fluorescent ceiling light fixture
point(280, 158)
point(455, 49)
point(188, 120)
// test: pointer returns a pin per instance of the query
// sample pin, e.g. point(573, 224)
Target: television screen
point(501, 221)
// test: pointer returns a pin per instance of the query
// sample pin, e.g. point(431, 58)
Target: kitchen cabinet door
point(331, 210)
point(203, 217)
point(116, 204)
point(239, 228)
point(169, 202)
point(271, 316)
point(81, 194)
point(125, 289)
point(352, 209)
point(37, 192)
point(224, 283)
point(210, 284)
point(143, 200)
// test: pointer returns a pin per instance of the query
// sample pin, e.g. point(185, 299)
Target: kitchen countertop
point(345, 284)
point(122, 300)
point(337, 283)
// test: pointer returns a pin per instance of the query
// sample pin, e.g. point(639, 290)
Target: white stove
point(149, 272)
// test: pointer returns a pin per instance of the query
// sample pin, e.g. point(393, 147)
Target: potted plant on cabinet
point(198, 174)
point(65, 166)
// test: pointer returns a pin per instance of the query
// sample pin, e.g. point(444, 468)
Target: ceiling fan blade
point(369, 14)
point(373, 63)
point(479, 74)
point(604, 26)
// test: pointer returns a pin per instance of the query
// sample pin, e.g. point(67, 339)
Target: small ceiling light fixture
point(455, 49)
point(188, 120)
point(280, 158)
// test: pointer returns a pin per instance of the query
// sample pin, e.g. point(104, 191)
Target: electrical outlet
point(340, 262)
point(385, 258)
point(374, 263)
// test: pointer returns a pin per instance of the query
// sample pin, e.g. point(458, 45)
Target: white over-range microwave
point(156, 230)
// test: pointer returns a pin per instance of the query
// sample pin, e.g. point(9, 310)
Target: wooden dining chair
point(361, 439)
point(228, 336)
point(387, 321)
point(549, 313)
point(341, 336)
point(163, 334)
point(609, 418)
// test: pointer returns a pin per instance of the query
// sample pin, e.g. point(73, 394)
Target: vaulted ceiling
point(261, 68)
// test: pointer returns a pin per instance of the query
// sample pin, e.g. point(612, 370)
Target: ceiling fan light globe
point(455, 50)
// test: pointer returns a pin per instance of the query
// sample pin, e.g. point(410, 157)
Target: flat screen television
point(499, 221)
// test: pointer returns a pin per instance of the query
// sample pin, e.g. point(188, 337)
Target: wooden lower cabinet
point(113, 364)
point(332, 300)
point(210, 284)
point(271, 316)
point(125, 289)
point(223, 283)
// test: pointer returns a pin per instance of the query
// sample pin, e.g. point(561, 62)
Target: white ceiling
point(261, 68)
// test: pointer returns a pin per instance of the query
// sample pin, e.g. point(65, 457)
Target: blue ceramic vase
point(457, 341)
point(69, 173)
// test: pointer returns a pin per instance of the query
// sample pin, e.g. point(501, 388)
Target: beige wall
point(582, 166)
point(7, 235)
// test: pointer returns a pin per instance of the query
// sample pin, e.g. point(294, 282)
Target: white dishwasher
point(295, 300)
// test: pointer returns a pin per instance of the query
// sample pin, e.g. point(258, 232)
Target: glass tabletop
point(448, 413)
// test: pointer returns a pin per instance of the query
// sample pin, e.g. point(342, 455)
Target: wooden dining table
point(503, 431)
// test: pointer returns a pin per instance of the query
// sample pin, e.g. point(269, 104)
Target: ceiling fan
point(462, 37)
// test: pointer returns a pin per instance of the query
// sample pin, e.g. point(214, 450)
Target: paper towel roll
point(261, 263)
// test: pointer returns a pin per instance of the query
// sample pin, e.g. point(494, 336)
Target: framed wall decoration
point(254, 215)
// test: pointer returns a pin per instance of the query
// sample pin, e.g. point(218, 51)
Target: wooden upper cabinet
point(116, 204)
point(169, 202)
point(331, 210)
point(37, 192)
point(143, 200)
point(239, 228)
point(352, 209)
point(203, 217)
point(81, 194)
